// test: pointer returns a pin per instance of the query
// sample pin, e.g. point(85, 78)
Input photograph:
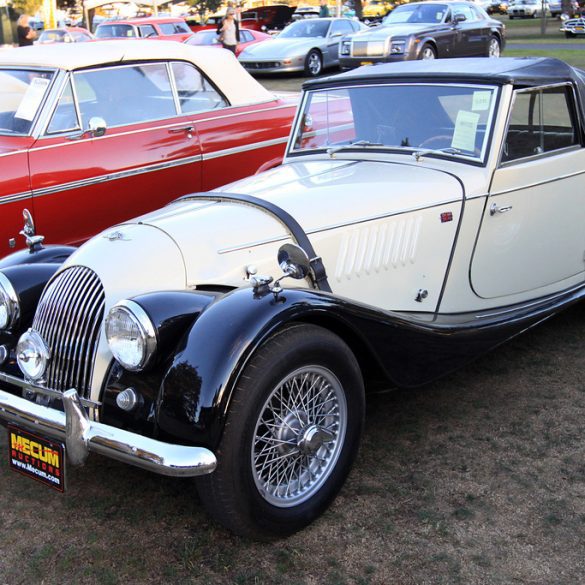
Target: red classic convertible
point(94, 135)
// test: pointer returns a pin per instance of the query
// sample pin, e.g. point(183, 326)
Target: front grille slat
point(68, 318)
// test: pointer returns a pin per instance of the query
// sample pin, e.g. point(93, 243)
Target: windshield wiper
point(418, 154)
point(362, 143)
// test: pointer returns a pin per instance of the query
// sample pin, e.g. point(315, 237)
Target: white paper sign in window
point(32, 99)
point(465, 131)
point(481, 100)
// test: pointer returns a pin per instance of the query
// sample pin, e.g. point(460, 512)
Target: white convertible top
point(220, 66)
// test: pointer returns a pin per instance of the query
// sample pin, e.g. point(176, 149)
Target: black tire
point(267, 421)
point(427, 52)
point(313, 63)
point(511, 17)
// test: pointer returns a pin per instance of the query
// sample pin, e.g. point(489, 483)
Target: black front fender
point(196, 390)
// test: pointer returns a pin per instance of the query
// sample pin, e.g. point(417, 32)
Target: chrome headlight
point(131, 335)
point(345, 48)
point(32, 355)
point(397, 47)
point(9, 304)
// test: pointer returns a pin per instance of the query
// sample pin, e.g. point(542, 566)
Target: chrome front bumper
point(82, 435)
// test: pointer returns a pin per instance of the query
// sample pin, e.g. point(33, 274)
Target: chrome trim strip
point(531, 185)
point(15, 197)
point(3, 154)
point(83, 435)
point(238, 149)
point(114, 176)
point(156, 167)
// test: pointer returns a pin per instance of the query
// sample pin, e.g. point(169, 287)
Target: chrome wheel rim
point(314, 64)
point(298, 436)
point(428, 53)
point(494, 48)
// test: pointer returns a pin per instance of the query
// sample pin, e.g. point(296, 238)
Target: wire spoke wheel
point(299, 436)
point(291, 435)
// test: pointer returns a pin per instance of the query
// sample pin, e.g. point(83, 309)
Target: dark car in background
point(263, 18)
point(425, 30)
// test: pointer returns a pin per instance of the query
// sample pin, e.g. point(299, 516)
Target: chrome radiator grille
point(68, 318)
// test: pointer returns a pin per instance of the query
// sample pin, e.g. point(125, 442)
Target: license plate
point(579, 28)
point(37, 457)
point(366, 62)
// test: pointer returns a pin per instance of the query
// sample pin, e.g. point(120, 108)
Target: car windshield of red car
point(107, 31)
point(23, 92)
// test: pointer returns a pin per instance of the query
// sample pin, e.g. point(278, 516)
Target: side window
point(465, 11)
point(341, 26)
point(173, 28)
point(64, 117)
point(196, 94)
point(147, 30)
point(541, 121)
point(125, 95)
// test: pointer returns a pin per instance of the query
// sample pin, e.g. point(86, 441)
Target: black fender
point(28, 281)
point(44, 255)
point(407, 349)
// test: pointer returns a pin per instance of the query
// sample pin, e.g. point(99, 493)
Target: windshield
point(453, 118)
point(430, 13)
point(305, 28)
point(21, 95)
point(108, 31)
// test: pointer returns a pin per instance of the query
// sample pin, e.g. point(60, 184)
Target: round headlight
point(9, 304)
point(32, 355)
point(131, 335)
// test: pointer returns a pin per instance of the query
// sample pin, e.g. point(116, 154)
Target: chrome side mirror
point(97, 126)
point(293, 261)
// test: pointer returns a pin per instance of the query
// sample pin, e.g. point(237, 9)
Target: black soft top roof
point(522, 72)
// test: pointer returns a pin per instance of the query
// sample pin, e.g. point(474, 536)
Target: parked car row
point(420, 30)
point(232, 335)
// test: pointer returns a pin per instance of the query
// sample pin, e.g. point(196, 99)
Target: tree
point(29, 7)
point(205, 6)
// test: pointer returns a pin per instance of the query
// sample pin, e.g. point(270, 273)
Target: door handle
point(188, 129)
point(494, 208)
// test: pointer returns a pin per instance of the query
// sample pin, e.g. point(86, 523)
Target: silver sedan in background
point(306, 45)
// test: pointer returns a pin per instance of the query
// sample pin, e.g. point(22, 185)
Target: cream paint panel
point(386, 262)
point(541, 240)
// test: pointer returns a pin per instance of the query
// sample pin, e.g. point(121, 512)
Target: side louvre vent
point(68, 318)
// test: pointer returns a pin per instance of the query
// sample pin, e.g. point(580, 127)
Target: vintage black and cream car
point(232, 335)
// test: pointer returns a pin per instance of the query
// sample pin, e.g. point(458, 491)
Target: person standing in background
point(228, 31)
point(25, 34)
point(323, 9)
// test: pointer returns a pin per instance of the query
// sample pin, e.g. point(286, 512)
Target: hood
point(218, 240)
point(380, 33)
point(280, 48)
